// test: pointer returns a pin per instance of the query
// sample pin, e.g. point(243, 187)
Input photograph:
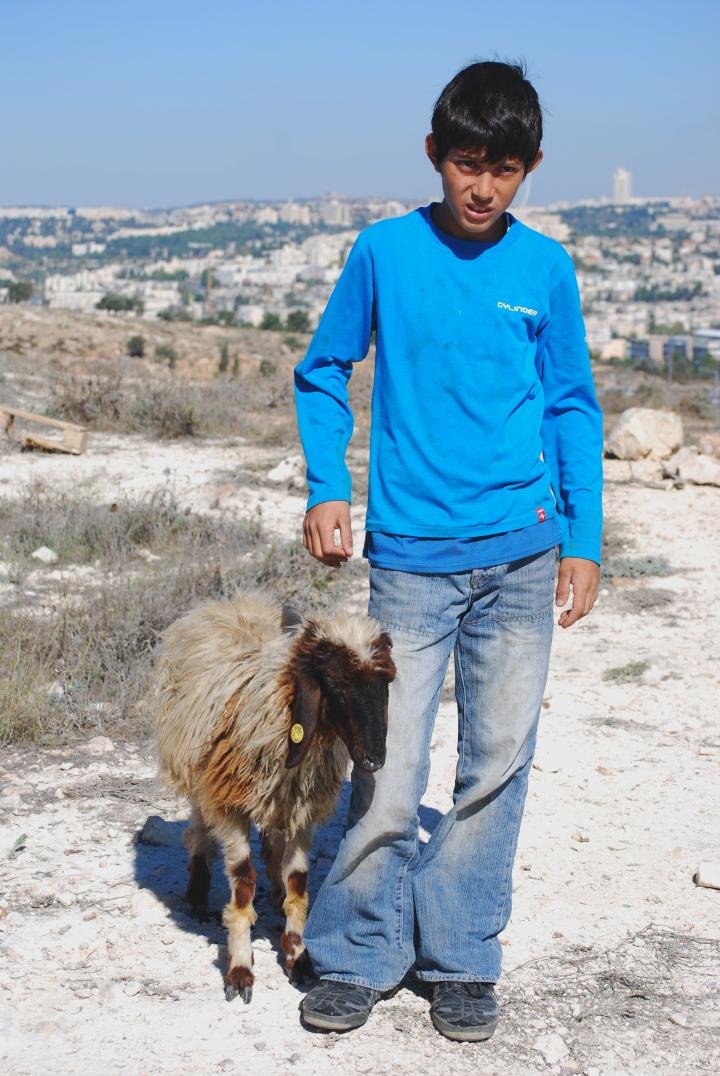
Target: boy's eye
point(468, 162)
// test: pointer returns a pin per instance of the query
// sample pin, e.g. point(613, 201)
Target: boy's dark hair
point(489, 106)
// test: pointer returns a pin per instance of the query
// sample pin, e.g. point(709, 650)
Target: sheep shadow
point(161, 861)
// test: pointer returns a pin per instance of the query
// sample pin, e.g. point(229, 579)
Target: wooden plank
point(58, 423)
point(74, 437)
point(75, 440)
point(33, 441)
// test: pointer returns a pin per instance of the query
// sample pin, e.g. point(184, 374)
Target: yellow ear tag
point(297, 733)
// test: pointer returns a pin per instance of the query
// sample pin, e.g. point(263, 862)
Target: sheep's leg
point(295, 905)
point(239, 914)
point(273, 845)
point(201, 851)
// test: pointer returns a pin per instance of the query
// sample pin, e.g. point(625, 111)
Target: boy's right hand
point(318, 531)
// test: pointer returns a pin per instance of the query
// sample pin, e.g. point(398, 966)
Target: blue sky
point(167, 102)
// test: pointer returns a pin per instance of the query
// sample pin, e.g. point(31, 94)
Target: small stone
point(260, 1046)
point(581, 838)
point(707, 875)
point(558, 934)
point(48, 1027)
point(45, 555)
point(99, 745)
point(552, 1047)
point(156, 831)
point(709, 444)
point(167, 939)
point(88, 916)
point(287, 469)
point(679, 1019)
point(131, 988)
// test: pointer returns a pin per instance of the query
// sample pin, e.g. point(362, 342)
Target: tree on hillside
point(120, 304)
point(19, 291)
point(298, 321)
point(136, 347)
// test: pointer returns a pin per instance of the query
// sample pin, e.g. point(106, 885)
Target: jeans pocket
point(412, 602)
point(528, 587)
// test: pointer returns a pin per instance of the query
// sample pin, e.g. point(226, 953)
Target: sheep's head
point(342, 670)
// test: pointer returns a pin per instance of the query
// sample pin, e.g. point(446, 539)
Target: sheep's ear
point(308, 701)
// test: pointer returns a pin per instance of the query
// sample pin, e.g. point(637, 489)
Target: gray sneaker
point(466, 1012)
point(338, 1006)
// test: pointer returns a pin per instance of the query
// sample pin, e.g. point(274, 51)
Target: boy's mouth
point(478, 213)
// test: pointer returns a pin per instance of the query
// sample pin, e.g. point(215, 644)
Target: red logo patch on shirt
point(540, 514)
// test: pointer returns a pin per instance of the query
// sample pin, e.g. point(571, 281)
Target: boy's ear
point(535, 163)
point(431, 151)
point(309, 701)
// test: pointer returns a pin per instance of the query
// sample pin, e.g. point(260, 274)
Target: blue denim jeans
point(388, 904)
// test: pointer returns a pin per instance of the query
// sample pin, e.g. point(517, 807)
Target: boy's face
point(476, 194)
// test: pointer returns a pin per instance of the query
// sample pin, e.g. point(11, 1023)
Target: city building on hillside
point(622, 186)
point(292, 213)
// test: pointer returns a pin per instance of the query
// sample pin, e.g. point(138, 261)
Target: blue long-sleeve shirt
point(481, 366)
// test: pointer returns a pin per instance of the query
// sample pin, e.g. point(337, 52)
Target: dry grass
point(626, 674)
point(80, 662)
point(257, 403)
point(81, 531)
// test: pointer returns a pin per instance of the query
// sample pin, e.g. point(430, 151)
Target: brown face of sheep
point(336, 694)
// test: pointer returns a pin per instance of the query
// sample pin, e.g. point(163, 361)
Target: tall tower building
point(622, 186)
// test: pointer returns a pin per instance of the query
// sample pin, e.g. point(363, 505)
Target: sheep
point(256, 712)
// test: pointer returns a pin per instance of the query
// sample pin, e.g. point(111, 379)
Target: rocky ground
point(612, 954)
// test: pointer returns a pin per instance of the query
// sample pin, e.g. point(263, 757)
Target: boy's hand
point(585, 578)
point(320, 524)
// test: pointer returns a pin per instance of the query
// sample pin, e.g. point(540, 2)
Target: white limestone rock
point(642, 432)
point(692, 466)
point(45, 555)
point(288, 468)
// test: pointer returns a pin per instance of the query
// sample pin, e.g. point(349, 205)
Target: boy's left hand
point(585, 578)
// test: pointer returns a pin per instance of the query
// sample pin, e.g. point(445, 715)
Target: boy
point(481, 366)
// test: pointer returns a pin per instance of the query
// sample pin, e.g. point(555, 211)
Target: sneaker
point(338, 1006)
point(466, 1012)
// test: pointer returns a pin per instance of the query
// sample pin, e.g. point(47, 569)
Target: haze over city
point(166, 105)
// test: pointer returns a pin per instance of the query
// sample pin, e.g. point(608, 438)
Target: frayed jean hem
point(357, 980)
point(443, 977)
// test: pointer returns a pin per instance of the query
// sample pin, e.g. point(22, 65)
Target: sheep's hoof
point(239, 983)
point(232, 992)
point(301, 972)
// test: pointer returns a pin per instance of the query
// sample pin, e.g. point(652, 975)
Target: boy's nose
point(482, 188)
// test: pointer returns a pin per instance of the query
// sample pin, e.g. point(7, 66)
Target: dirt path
point(612, 956)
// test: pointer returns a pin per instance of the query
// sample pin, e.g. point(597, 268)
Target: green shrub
point(167, 352)
point(136, 347)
